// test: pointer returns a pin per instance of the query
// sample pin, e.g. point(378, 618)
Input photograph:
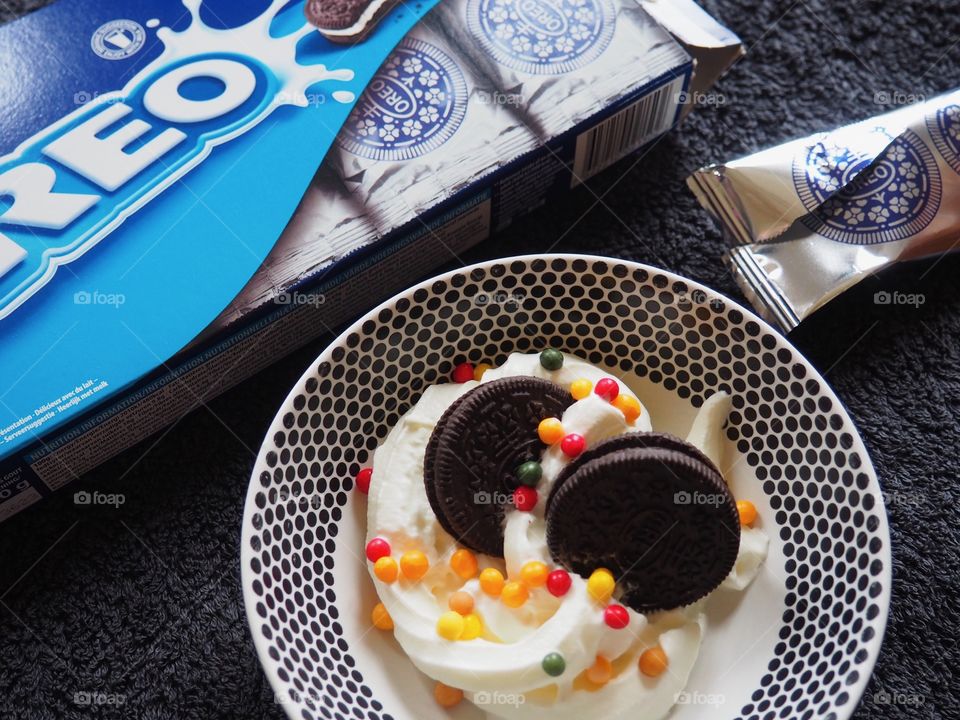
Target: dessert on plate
point(536, 546)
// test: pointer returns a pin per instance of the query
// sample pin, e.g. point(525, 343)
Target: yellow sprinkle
point(534, 573)
point(514, 594)
point(414, 564)
point(381, 618)
point(600, 585)
point(580, 388)
point(629, 406)
point(472, 627)
point(491, 581)
point(479, 370)
point(550, 430)
point(464, 563)
point(386, 569)
point(450, 625)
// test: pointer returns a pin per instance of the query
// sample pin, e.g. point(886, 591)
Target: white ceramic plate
point(799, 643)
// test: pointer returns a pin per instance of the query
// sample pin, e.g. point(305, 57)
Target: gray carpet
point(143, 603)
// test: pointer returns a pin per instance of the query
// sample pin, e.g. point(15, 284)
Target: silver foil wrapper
point(809, 219)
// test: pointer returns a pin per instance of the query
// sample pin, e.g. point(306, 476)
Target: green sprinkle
point(551, 359)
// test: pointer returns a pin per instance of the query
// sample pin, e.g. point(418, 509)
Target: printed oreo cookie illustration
point(944, 128)
point(860, 198)
point(543, 37)
point(414, 103)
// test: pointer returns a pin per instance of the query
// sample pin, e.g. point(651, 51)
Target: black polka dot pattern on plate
point(785, 422)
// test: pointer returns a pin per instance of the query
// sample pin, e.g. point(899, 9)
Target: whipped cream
point(501, 671)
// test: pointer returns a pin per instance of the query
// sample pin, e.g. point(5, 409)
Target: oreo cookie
point(346, 21)
point(469, 467)
point(661, 520)
point(628, 441)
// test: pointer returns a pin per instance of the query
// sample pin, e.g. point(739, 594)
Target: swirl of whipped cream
point(507, 658)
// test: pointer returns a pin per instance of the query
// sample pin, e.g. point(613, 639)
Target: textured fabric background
point(145, 601)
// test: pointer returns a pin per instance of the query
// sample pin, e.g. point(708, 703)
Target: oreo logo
point(854, 197)
point(542, 37)
point(944, 128)
point(414, 103)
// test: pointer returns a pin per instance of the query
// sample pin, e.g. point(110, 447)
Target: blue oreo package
point(171, 220)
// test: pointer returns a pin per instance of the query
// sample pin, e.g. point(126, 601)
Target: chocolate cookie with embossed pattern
point(470, 462)
point(661, 520)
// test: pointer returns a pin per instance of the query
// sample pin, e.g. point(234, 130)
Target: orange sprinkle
point(447, 696)
point(491, 582)
point(653, 662)
point(464, 563)
point(748, 512)
point(601, 671)
point(461, 602)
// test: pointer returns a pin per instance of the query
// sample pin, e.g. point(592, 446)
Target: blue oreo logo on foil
point(944, 128)
point(414, 103)
point(855, 198)
point(542, 37)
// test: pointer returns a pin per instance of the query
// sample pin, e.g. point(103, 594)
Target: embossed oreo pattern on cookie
point(547, 37)
point(414, 104)
point(853, 198)
point(944, 128)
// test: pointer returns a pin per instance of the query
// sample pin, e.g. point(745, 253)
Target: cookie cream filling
point(501, 671)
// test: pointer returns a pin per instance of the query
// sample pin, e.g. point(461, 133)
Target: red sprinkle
point(363, 480)
point(558, 582)
point(616, 616)
point(525, 498)
point(463, 373)
point(607, 388)
point(572, 444)
point(377, 548)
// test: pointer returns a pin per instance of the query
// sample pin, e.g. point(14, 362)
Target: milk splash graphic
point(72, 185)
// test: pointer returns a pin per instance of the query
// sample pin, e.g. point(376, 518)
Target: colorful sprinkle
point(463, 373)
point(572, 445)
point(616, 616)
point(558, 583)
point(381, 618)
point(491, 582)
point(529, 473)
point(363, 480)
point(377, 548)
point(747, 511)
point(600, 585)
point(464, 563)
point(629, 406)
point(461, 602)
point(514, 594)
point(601, 671)
point(580, 388)
point(480, 369)
point(653, 661)
point(472, 627)
point(450, 625)
point(551, 359)
point(525, 498)
point(414, 564)
point(386, 569)
point(550, 431)
point(553, 664)
point(534, 573)
point(447, 696)
point(608, 389)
